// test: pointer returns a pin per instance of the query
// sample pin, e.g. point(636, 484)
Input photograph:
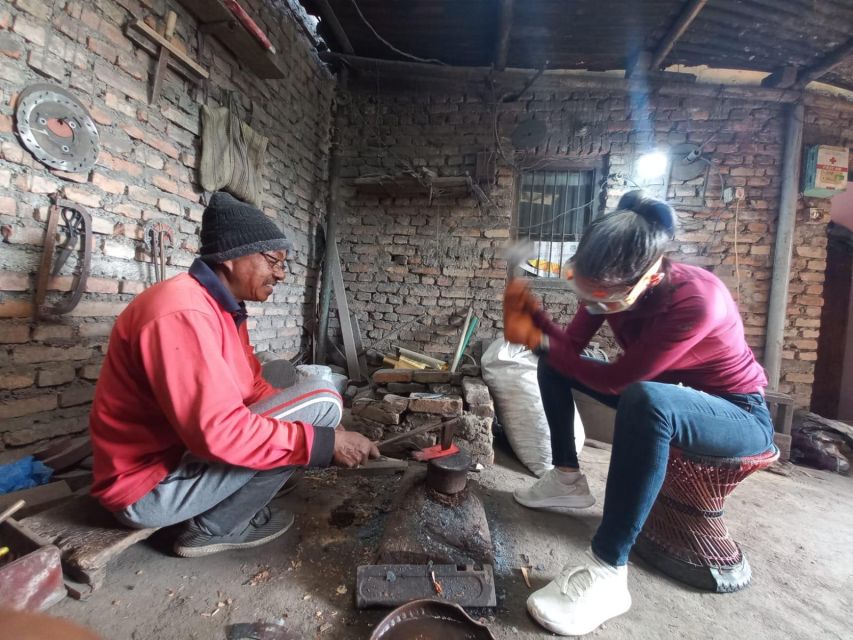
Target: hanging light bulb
point(652, 165)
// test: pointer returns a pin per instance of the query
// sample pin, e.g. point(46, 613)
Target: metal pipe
point(777, 306)
point(332, 208)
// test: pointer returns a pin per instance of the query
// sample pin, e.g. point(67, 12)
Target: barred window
point(554, 208)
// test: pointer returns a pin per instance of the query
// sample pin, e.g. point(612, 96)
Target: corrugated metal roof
point(599, 34)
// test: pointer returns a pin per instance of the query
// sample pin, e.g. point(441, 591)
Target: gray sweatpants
point(223, 498)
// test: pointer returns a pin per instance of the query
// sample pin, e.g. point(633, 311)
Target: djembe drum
point(685, 535)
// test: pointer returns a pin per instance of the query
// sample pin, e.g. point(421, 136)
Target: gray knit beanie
point(231, 228)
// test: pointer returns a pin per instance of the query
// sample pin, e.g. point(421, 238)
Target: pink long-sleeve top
point(685, 330)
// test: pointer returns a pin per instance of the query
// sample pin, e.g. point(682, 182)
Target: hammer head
point(448, 430)
point(517, 252)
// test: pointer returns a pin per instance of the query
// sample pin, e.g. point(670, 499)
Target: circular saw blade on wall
point(682, 169)
point(56, 128)
point(528, 134)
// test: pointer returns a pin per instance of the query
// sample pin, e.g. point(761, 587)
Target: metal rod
point(8, 513)
point(777, 305)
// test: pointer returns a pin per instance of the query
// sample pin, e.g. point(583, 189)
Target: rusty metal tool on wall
point(79, 229)
point(156, 234)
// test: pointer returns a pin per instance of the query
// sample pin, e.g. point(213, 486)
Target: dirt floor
point(796, 530)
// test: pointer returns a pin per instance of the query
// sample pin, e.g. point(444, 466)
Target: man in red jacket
point(184, 427)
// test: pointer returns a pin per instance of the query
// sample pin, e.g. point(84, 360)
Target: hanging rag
point(232, 155)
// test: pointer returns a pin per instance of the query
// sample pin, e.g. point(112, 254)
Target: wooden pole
point(687, 16)
point(825, 64)
point(778, 303)
point(333, 205)
point(337, 30)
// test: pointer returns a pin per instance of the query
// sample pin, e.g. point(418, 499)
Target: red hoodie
point(179, 376)
point(685, 330)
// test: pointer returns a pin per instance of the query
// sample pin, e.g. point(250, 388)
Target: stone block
point(395, 403)
point(442, 406)
point(56, 376)
point(76, 395)
point(475, 391)
point(483, 410)
point(384, 376)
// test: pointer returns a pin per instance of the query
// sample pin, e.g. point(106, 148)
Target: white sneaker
point(549, 492)
point(581, 598)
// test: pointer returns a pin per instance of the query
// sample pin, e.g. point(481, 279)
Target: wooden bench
point(87, 535)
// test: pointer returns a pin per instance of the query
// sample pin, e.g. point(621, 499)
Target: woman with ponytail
point(686, 378)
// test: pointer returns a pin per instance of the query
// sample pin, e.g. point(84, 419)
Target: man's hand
point(352, 449)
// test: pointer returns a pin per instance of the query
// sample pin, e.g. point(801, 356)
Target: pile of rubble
point(400, 400)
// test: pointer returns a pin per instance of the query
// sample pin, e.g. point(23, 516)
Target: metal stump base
point(718, 579)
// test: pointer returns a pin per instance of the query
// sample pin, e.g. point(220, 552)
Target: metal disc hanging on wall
point(682, 169)
point(528, 134)
point(56, 128)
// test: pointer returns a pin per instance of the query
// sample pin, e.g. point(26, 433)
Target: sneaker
point(549, 492)
point(267, 525)
point(582, 598)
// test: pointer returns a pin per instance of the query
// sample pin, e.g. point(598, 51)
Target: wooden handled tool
point(447, 429)
point(163, 57)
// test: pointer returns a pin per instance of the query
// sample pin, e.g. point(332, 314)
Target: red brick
point(108, 184)
point(102, 285)
point(15, 309)
point(446, 406)
point(5, 123)
point(118, 164)
point(47, 332)
point(16, 380)
point(140, 194)
point(131, 286)
point(100, 48)
point(134, 132)
point(384, 376)
point(80, 196)
point(14, 333)
point(161, 182)
point(29, 30)
point(97, 309)
point(72, 177)
point(164, 147)
point(14, 281)
point(8, 205)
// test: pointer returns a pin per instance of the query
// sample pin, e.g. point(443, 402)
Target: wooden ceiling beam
point(682, 23)
point(328, 15)
point(825, 64)
point(502, 40)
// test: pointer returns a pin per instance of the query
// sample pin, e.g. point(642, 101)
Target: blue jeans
point(650, 417)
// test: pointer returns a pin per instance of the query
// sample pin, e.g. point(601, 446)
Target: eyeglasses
point(601, 301)
point(276, 263)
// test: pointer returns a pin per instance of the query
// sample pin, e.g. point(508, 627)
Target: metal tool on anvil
point(444, 448)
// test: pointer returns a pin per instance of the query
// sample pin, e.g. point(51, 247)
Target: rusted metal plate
point(33, 582)
point(390, 585)
point(430, 619)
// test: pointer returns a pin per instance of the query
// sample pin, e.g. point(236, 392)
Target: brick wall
point(832, 124)
point(412, 258)
point(146, 169)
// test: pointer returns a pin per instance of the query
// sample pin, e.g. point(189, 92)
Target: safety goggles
point(610, 300)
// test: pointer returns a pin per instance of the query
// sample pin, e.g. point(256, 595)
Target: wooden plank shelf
point(216, 19)
point(409, 185)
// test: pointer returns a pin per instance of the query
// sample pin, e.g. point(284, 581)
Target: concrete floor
point(797, 532)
